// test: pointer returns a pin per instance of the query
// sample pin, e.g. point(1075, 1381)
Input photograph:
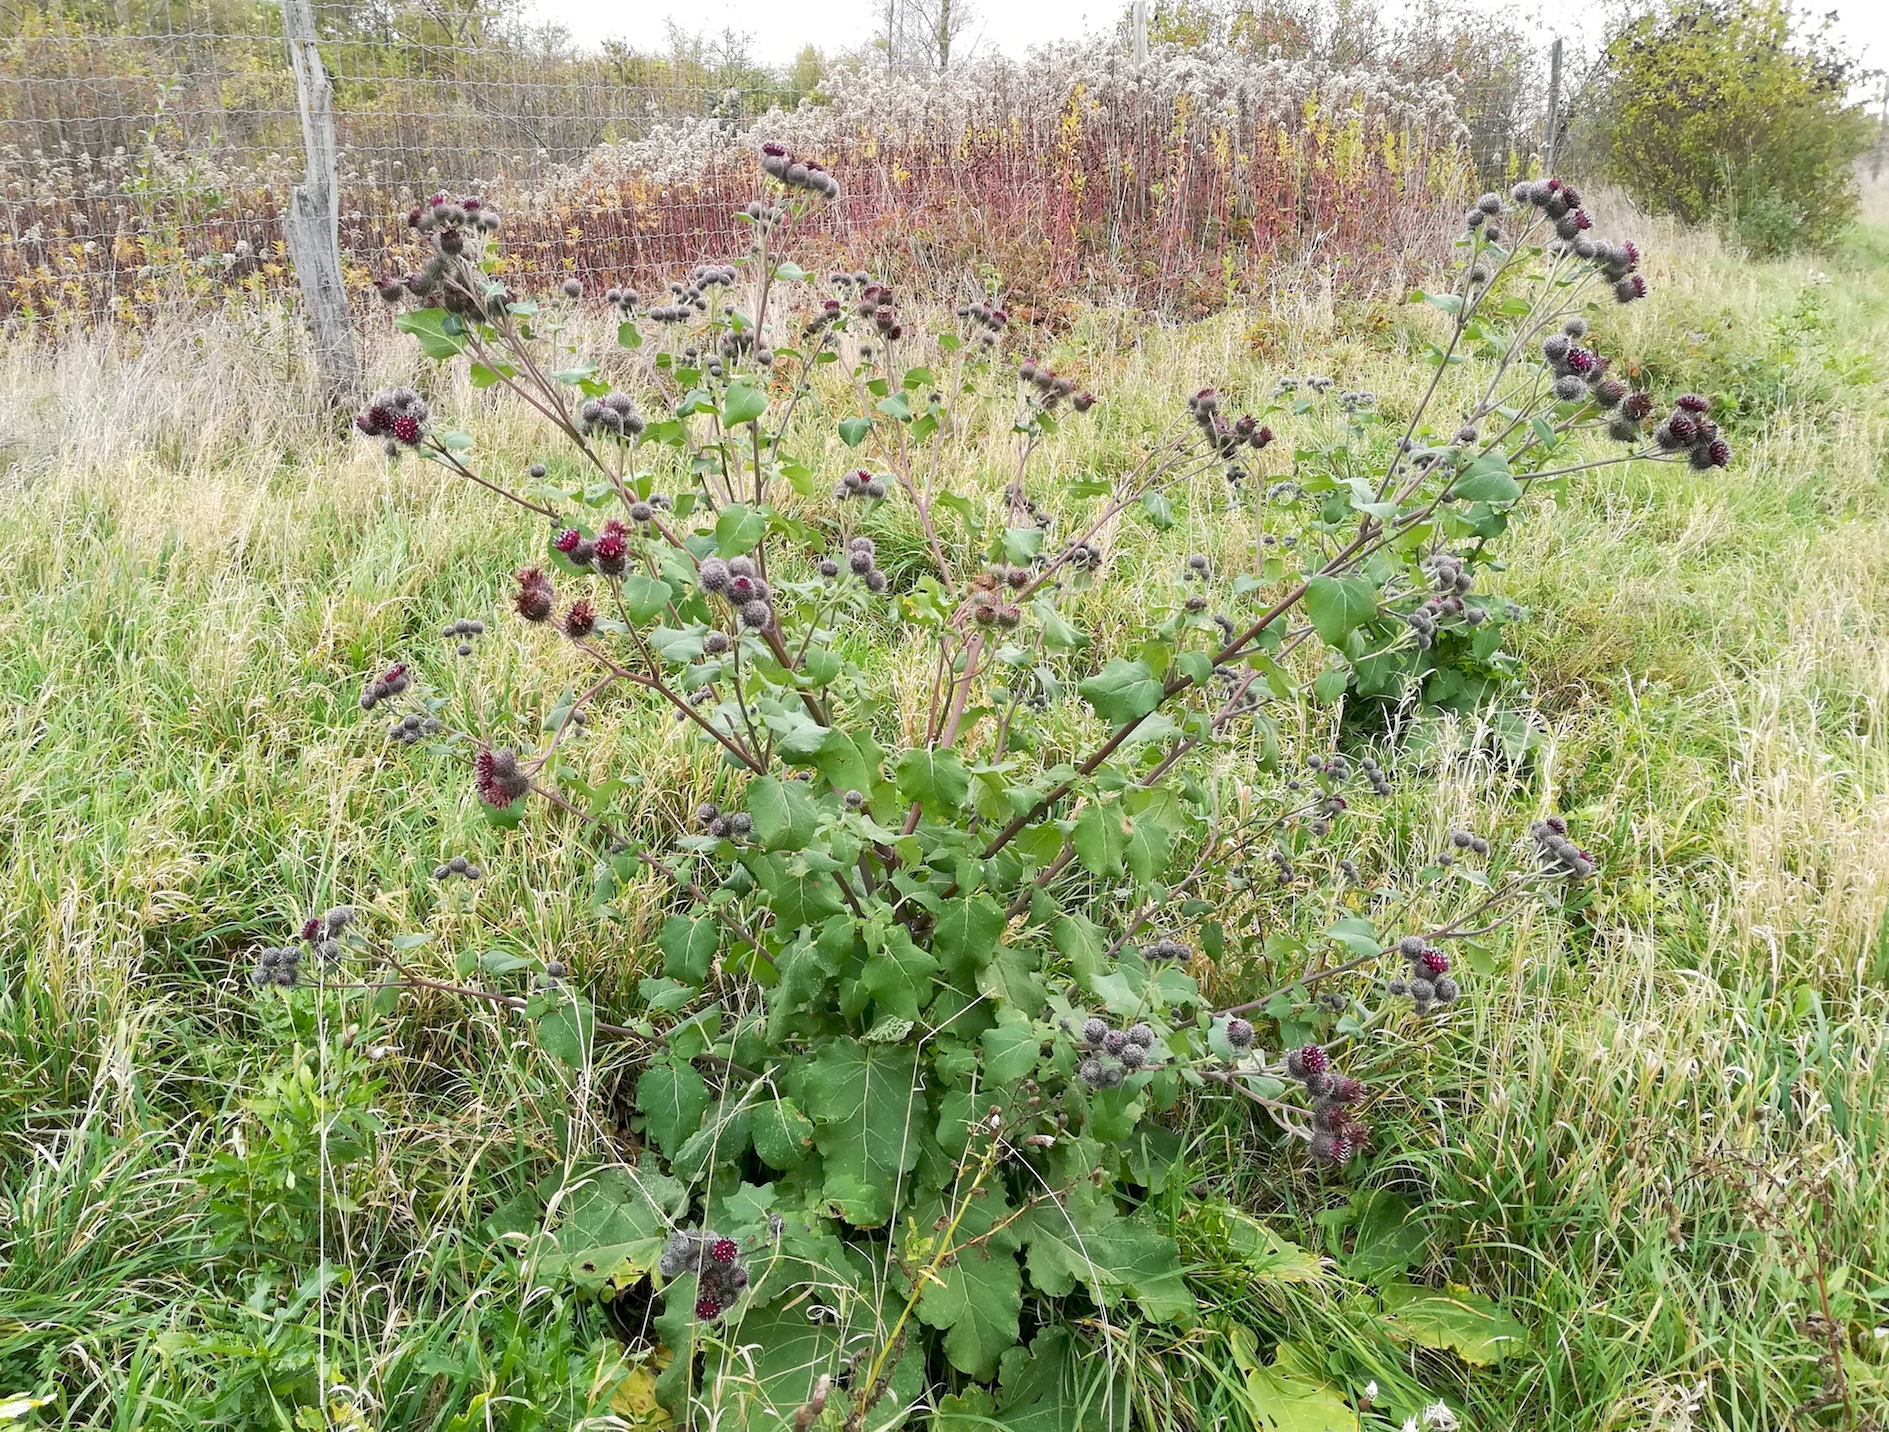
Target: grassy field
point(1658, 1138)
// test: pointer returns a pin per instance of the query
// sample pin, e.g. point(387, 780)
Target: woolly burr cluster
point(1688, 430)
point(738, 583)
point(613, 415)
point(986, 321)
point(282, 965)
point(990, 604)
point(1428, 983)
point(1452, 582)
point(1113, 1054)
point(1053, 387)
point(721, 1277)
point(1559, 855)
point(459, 865)
point(862, 560)
point(1227, 439)
point(779, 162)
point(277, 966)
point(723, 825)
point(1337, 1134)
point(399, 415)
point(390, 683)
point(859, 484)
point(1167, 949)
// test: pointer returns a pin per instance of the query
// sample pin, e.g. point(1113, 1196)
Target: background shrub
point(1709, 109)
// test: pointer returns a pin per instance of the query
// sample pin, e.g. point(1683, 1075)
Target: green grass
point(1634, 1137)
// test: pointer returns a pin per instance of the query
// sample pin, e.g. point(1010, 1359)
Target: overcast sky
point(779, 28)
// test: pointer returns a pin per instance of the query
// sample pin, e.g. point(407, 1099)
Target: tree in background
point(1722, 109)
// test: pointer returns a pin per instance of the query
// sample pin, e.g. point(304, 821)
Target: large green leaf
point(1122, 691)
point(898, 975)
point(1390, 1236)
point(976, 1300)
point(1466, 1323)
point(644, 596)
point(784, 815)
point(688, 948)
point(739, 528)
point(1010, 1048)
point(1059, 1385)
point(1487, 480)
point(1083, 1239)
point(937, 779)
point(781, 1133)
point(798, 894)
point(966, 933)
point(1338, 606)
point(743, 404)
point(1101, 838)
point(672, 1097)
point(1287, 1402)
point(869, 1122)
point(441, 335)
point(612, 1229)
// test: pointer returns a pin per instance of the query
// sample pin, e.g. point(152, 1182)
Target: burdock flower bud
point(1094, 1029)
point(1608, 392)
point(756, 614)
point(497, 778)
point(1090, 1072)
point(828, 567)
point(535, 596)
point(1239, 1034)
point(1307, 1061)
point(1568, 388)
point(1632, 287)
point(1555, 348)
point(580, 620)
point(1718, 453)
point(612, 554)
point(572, 288)
point(714, 575)
point(1114, 1041)
point(1133, 1056)
point(715, 643)
point(1636, 406)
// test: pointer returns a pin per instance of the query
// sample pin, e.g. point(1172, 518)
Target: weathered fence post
point(1552, 138)
point(1138, 20)
point(314, 217)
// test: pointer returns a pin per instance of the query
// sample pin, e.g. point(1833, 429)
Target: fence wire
point(146, 169)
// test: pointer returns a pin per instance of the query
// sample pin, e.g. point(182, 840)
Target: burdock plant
point(928, 970)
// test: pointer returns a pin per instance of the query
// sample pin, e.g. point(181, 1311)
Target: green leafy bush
point(929, 968)
point(1715, 109)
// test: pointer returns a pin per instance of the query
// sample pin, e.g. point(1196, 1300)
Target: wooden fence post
point(1139, 21)
point(314, 218)
point(1553, 137)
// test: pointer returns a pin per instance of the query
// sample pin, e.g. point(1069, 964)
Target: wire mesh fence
point(149, 165)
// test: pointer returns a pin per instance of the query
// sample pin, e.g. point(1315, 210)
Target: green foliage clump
point(931, 960)
point(1716, 109)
